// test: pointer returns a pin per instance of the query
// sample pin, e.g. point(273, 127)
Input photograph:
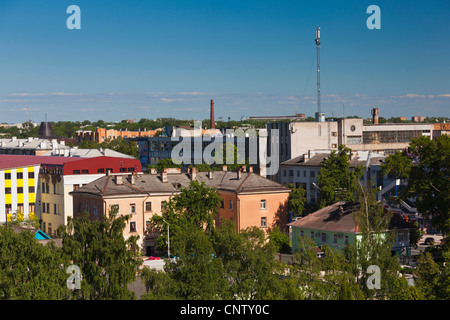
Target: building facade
point(246, 198)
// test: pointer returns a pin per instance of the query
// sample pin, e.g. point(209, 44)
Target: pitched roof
point(152, 183)
point(359, 158)
point(336, 217)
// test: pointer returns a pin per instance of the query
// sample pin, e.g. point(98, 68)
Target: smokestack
point(212, 115)
point(375, 113)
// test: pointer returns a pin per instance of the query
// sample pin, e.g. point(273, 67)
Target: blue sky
point(150, 59)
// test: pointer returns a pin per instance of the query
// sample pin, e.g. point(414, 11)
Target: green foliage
point(280, 240)
point(30, 270)
point(336, 178)
point(297, 200)
point(198, 204)
point(428, 178)
point(105, 258)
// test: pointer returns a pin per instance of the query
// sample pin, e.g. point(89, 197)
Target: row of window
point(45, 188)
point(263, 204)
point(19, 175)
point(312, 173)
point(19, 190)
point(323, 236)
point(20, 207)
point(102, 170)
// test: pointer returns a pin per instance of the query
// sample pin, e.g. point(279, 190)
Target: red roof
point(16, 161)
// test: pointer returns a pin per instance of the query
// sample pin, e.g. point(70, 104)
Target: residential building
point(19, 181)
point(247, 199)
point(58, 180)
point(335, 227)
point(303, 171)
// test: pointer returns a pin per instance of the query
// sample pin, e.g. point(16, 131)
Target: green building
point(335, 226)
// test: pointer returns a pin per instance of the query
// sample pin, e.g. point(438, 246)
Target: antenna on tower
point(319, 115)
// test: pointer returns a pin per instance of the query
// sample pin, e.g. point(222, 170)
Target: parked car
point(429, 241)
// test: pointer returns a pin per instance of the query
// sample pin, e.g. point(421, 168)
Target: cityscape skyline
point(168, 59)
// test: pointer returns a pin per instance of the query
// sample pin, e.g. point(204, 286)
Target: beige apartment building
point(247, 199)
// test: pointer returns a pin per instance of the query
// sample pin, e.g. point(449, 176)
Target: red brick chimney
point(212, 115)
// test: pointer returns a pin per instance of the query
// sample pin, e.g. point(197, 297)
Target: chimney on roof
point(224, 167)
point(250, 168)
point(244, 168)
point(210, 175)
point(212, 115)
point(119, 180)
point(193, 173)
point(239, 174)
point(132, 179)
point(153, 171)
point(164, 177)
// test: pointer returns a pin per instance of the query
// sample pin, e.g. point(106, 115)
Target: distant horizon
point(163, 59)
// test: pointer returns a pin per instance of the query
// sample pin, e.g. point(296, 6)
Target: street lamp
point(168, 239)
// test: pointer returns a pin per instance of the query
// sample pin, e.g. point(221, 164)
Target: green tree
point(297, 200)
point(280, 240)
point(426, 166)
point(335, 179)
point(197, 273)
point(30, 270)
point(107, 260)
point(198, 204)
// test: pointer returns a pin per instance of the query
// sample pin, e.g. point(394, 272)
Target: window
point(312, 174)
point(101, 170)
point(291, 173)
point(312, 235)
point(334, 134)
point(263, 222)
point(298, 173)
point(7, 190)
point(19, 189)
point(31, 207)
point(354, 139)
point(222, 203)
point(19, 175)
point(79, 207)
point(147, 226)
point(7, 176)
point(148, 206)
point(55, 208)
point(76, 171)
point(132, 226)
point(130, 169)
point(335, 236)
point(55, 191)
point(346, 239)
point(123, 170)
point(49, 229)
point(87, 206)
point(48, 208)
point(85, 171)
point(30, 189)
point(43, 207)
point(334, 145)
point(95, 209)
point(30, 175)
point(132, 208)
point(231, 204)
point(304, 173)
point(323, 237)
point(263, 205)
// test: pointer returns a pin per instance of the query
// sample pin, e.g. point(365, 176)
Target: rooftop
point(117, 184)
point(18, 161)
